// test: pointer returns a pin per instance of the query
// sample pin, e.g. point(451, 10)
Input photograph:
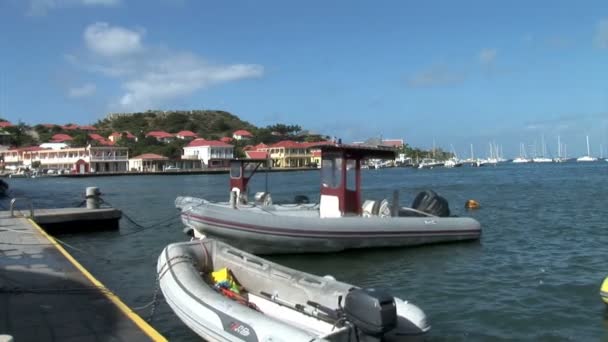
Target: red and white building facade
point(77, 160)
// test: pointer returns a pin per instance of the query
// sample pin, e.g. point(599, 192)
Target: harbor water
point(534, 275)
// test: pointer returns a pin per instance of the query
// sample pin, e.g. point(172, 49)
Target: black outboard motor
point(429, 202)
point(301, 199)
point(371, 310)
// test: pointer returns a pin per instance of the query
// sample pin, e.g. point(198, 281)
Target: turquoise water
point(535, 274)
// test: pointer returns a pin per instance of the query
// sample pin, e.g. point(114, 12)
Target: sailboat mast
point(588, 152)
point(559, 147)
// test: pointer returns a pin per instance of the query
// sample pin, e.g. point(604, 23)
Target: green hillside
point(209, 124)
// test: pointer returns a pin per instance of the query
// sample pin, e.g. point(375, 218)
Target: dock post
point(93, 199)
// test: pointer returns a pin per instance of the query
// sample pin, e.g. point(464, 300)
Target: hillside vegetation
point(210, 124)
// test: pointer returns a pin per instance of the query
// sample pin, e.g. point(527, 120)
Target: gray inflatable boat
point(276, 303)
point(341, 220)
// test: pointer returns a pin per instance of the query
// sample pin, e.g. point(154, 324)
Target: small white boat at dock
point(225, 294)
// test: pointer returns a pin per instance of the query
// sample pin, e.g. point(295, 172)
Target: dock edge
point(140, 322)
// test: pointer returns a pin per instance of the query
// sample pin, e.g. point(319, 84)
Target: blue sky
point(456, 72)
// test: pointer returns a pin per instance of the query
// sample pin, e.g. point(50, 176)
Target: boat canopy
point(341, 177)
point(241, 171)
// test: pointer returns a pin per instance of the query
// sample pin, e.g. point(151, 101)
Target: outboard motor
point(371, 310)
point(429, 202)
point(301, 199)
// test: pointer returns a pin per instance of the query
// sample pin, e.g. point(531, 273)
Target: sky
point(449, 73)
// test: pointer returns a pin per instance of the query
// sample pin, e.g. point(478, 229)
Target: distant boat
point(522, 155)
point(429, 163)
point(588, 157)
point(559, 158)
point(542, 158)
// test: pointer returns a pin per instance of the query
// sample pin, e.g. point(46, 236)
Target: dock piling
point(92, 196)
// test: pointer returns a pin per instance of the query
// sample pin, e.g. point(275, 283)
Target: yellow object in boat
point(604, 291)
point(224, 275)
point(472, 204)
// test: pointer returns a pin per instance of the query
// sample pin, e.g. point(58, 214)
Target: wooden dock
point(46, 295)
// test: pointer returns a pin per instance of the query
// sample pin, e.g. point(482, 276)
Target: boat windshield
point(235, 170)
point(331, 172)
point(351, 174)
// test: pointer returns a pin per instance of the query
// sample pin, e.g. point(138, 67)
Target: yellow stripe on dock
point(143, 325)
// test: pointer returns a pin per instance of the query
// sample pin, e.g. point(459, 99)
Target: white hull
point(277, 229)
point(586, 159)
point(285, 299)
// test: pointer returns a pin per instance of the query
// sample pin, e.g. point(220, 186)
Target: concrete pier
point(77, 220)
point(46, 295)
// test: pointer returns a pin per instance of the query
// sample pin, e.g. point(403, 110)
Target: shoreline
point(175, 173)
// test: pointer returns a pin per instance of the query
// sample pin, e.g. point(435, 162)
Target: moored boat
point(338, 222)
point(225, 294)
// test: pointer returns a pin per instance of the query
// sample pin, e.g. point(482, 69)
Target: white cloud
point(601, 36)
point(177, 76)
point(487, 56)
point(41, 7)
point(111, 41)
point(84, 90)
point(156, 77)
point(435, 76)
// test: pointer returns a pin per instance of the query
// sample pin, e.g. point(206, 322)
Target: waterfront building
point(288, 154)
point(77, 159)
point(211, 153)
point(148, 162)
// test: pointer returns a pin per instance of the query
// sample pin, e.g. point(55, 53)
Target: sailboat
point(454, 161)
point(522, 155)
point(542, 158)
point(588, 157)
point(559, 158)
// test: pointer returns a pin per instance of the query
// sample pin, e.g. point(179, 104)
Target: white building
point(78, 159)
point(242, 134)
point(211, 153)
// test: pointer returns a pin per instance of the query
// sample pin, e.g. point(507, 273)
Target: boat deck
point(46, 295)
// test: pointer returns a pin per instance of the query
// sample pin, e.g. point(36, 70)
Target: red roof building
point(202, 142)
point(100, 139)
point(226, 139)
point(70, 127)
point(61, 138)
point(160, 135)
point(256, 154)
point(397, 143)
point(4, 124)
point(115, 136)
point(150, 156)
point(241, 134)
point(88, 128)
point(186, 135)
